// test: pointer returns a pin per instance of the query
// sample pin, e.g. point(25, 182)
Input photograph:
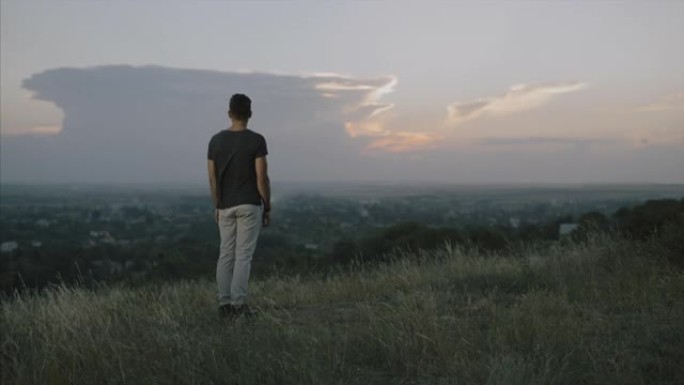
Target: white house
point(8, 247)
point(566, 229)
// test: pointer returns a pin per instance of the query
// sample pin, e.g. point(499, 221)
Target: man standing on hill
point(240, 190)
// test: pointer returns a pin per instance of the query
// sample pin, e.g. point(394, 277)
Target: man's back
point(234, 153)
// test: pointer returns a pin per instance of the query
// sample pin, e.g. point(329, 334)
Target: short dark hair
point(241, 107)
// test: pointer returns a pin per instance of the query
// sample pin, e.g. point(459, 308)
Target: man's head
point(240, 107)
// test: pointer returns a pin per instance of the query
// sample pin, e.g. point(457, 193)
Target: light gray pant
point(239, 227)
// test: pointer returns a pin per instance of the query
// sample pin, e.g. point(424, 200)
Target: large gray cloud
point(152, 124)
point(149, 124)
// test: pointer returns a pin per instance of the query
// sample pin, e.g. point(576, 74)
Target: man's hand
point(266, 218)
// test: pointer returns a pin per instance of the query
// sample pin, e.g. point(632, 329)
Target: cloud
point(666, 134)
point(50, 129)
point(671, 102)
point(544, 140)
point(360, 100)
point(152, 124)
point(339, 86)
point(23, 114)
point(404, 141)
point(125, 123)
point(33, 130)
point(660, 123)
point(518, 98)
point(373, 119)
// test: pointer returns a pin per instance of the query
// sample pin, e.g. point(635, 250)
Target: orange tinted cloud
point(51, 130)
point(371, 117)
point(658, 136)
point(519, 97)
point(669, 102)
point(366, 128)
point(404, 141)
point(26, 114)
point(40, 130)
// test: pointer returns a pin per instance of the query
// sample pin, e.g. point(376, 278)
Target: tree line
point(661, 221)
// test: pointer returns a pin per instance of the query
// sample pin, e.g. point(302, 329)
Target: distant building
point(87, 244)
point(103, 237)
point(311, 246)
point(36, 243)
point(123, 242)
point(108, 239)
point(8, 247)
point(565, 229)
point(515, 222)
point(43, 223)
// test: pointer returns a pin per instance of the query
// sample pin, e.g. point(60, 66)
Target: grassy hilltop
point(606, 312)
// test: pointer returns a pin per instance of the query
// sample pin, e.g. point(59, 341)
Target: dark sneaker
point(227, 311)
point(244, 311)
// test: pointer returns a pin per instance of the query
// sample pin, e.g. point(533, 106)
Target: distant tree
point(174, 264)
point(489, 239)
point(528, 232)
point(591, 223)
point(671, 236)
point(647, 219)
point(411, 237)
point(405, 236)
point(344, 251)
point(133, 211)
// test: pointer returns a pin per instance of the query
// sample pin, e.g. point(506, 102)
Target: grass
point(606, 312)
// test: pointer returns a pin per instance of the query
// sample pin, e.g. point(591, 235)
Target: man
point(240, 190)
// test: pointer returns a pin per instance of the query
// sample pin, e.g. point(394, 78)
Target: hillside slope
point(606, 312)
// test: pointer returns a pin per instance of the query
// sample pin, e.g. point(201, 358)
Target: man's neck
point(238, 125)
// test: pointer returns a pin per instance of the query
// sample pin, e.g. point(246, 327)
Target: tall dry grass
point(605, 312)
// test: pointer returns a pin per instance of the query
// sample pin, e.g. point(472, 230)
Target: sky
point(410, 91)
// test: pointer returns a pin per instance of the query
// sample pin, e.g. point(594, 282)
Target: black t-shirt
point(233, 153)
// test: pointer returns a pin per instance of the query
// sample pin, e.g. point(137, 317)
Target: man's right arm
point(264, 186)
point(213, 186)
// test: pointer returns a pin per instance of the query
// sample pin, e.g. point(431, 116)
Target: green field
point(606, 312)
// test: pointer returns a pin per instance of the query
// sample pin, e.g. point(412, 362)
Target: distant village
point(312, 221)
point(139, 234)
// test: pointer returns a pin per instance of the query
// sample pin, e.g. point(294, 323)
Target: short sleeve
point(261, 147)
point(210, 150)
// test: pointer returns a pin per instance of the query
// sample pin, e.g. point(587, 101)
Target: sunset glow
point(547, 85)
